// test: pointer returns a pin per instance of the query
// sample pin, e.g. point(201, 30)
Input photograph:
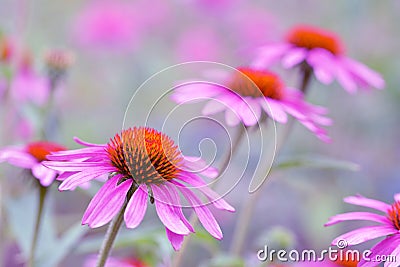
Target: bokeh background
point(118, 45)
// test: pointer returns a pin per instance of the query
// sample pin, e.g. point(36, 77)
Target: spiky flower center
point(257, 83)
point(394, 214)
point(310, 38)
point(145, 155)
point(43, 148)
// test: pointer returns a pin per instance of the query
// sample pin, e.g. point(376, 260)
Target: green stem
point(304, 86)
point(42, 196)
point(111, 233)
point(194, 220)
point(243, 223)
point(247, 210)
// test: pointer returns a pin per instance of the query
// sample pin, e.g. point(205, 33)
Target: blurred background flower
point(119, 44)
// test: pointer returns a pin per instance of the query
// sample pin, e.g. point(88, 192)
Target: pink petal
point(231, 117)
point(198, 165)
point(81, 177)
point(175, 239)
point(106, 203)
point(136, 208)
point(364, 234)
point(269, 54)
point(45, 175)
point(74, 166)
point(293, 57)
point(249, 111)
point(367, 202)
point(84, 143)
point(195, 91)
point(213, 106)
point(324, 65)
point(170, 189)
point(17, 157)
point(166, 213)
point(362, 72)
point(345, 78)
point(357, 216)
point(78, 154)
point(386, 247)
point(274, 109)
point(212, 196)
point(205, 216)
point(397, 197)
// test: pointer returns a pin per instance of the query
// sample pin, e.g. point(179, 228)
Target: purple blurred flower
point(30, 157)
point(28, 86)
point(389, 227)
point(107, 24)
point(324, 53)
point(199, 43)
point(249, 96)
point(147, 164)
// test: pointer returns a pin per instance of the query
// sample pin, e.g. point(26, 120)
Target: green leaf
point(317, 162)
point(62, 246)
point(204, 238)
point(21, 213)
point(126, 238)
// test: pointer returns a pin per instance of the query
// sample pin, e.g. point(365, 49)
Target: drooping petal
point(175, 239)
point(213, 106)
point(74, 180)
point(87, 152)
point(171, 190)
point(136, 208)
point(195, 91)
point(17, 157)
point(346, 80)
point(362, 72)
point(198, 165)
point(106, 203)
point(166, 212)
point(384, 248)
point(357, 216)
point(231, 117)
point(74, 166)
point(45, 175)
point(212, 196)
point(294, 57)
point(84, 143)
point(367, 202)
point(205, 216)
point(269, 54)
point(324, 65)
point(274, 110)
point(249, 111)
point(364, 234)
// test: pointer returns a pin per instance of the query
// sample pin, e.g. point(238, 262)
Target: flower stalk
point(112, 232)
point(247, 210)
point(177, 260)
point(39, 215)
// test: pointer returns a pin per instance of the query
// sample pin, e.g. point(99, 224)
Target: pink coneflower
point(249, 96)
point(324, 53)
point(30, 157)
point(389, 227)
point(146, 164)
